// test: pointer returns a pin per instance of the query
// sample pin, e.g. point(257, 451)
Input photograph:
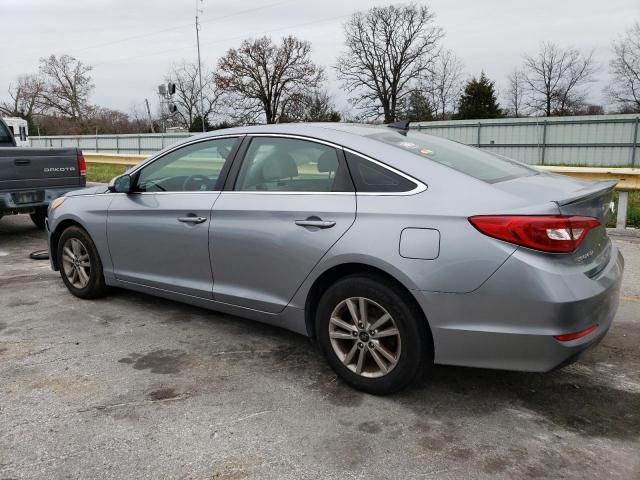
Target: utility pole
point(198, 11)
point(146, 101)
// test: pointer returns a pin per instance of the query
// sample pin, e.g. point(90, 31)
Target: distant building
point(20, 130)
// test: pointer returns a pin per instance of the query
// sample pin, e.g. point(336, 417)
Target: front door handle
point(315, 223)
point(192, 219)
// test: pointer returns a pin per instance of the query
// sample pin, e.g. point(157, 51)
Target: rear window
point(477, 163)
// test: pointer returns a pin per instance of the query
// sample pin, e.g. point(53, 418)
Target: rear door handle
point(315, 223)
point(192, 219)
point(22, 161)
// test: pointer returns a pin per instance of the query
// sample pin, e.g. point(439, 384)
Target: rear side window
point(371, 177)
point(474, 162)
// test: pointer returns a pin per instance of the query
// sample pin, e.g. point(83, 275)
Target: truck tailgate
point(39, 168)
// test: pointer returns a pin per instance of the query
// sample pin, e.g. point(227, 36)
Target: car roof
point(325, 130)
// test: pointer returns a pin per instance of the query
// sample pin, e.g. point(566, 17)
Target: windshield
point(477, 163)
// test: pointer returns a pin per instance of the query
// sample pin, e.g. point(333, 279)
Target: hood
point(88, 191)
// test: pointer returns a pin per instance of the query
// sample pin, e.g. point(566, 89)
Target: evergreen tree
point(196, 125)
point(418, 108)
point(478, 100)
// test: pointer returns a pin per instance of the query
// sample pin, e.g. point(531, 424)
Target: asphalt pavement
point(135, 387)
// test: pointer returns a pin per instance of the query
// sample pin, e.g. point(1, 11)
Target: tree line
point(394, 66)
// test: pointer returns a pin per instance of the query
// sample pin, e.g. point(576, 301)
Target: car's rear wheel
point(38, 217)
point(80, 265)
point(372, 335)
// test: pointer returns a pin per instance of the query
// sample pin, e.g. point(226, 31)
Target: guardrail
point(114, 158)
point(628, 178)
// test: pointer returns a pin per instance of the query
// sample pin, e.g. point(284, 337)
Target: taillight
point(552, 233)
point(82, 165)
point(567, 337)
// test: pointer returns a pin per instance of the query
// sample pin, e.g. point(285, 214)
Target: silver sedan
point(392, 249)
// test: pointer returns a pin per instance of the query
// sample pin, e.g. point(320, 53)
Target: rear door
point(159, 234)
point(289, 201)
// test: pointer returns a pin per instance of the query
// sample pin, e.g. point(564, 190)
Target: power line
point(221, 40)
point(185, 25)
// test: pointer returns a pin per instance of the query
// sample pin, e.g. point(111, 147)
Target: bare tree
point(261, 76)
point(388, 50)
point(140, 120)
point(444, 84)
point(625, 71)
point(67, 85)
point(24, 97)
point(515, 93)
point(554, 77)
point(187, 97)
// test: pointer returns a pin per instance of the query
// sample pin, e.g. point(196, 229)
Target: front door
point(291, 201)
point(159, 234)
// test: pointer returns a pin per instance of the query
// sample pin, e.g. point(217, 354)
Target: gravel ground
point(132, 386)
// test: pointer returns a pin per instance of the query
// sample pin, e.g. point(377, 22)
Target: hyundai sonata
point(392, 249)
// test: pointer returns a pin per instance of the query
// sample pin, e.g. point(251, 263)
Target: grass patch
point(101, 172)
point(633, 215)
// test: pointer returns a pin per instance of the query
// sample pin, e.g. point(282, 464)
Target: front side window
point(275, 164)
point(195, 167)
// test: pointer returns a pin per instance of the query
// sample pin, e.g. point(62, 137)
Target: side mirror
point(121, 184)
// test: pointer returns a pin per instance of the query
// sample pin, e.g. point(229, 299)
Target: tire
point(39, 217)
point(411, 347)
point(83, 253)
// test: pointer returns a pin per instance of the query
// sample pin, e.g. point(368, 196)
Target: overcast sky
point(132, 43)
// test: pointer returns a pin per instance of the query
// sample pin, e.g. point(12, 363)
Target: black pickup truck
point(31, 178)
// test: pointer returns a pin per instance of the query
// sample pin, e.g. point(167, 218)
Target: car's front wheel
point(372, 334)
point(80, 265)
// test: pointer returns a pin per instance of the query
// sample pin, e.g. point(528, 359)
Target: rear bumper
point(510, 321)
point(9, 206)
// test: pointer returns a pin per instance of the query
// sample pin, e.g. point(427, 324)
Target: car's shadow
point(583, 400)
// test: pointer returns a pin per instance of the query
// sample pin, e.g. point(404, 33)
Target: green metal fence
point(594, 141)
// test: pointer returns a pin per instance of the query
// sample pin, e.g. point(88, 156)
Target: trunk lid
point(39, 168)
point(572, 196)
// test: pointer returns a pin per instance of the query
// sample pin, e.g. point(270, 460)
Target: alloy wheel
point(365, 337)
point(76, 263)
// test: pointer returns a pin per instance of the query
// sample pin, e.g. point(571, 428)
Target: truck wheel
point(80, 265)
point(39, 217)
